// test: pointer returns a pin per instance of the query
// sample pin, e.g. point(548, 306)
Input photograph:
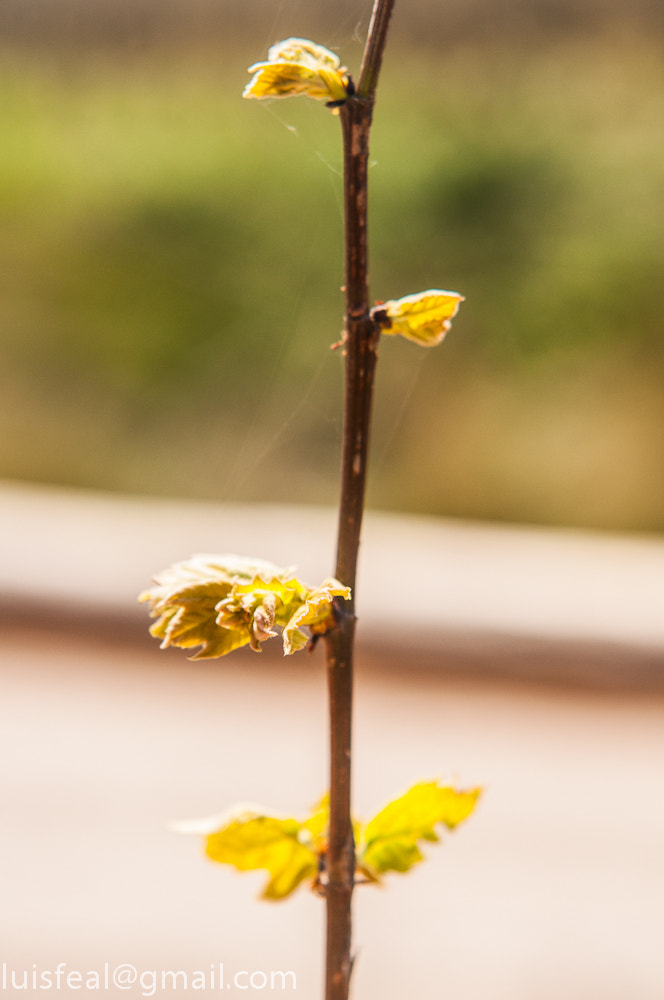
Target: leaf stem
point(360, 342)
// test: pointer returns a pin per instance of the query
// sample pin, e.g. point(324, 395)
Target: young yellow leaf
point(252, 609)
point(292, 850)
point(389, 840)
point(316, 612)
point(298, 66)
point(317, 824)
point(251, 841)
point(186, 598)
point(221, 603)
point(424, 318)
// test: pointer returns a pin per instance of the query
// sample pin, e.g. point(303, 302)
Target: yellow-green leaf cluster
point(221, 603)
point(423, 318)
point(298, 66)
point(292, 850)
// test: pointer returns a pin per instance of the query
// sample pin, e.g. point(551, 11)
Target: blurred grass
point(170, 265)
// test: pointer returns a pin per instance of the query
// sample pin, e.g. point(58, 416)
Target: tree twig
point(360, 341)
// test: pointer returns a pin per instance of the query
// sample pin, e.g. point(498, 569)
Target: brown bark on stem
point(360, 342)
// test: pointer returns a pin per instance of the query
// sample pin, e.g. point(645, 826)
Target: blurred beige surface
point(459, 595)
point(552, 889)
point(527, 661)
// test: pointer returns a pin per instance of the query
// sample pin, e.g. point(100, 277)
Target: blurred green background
point(170, 256)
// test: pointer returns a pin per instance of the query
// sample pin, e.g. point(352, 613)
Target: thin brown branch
point(373, 52)
point(360, 338)
point(360, 341)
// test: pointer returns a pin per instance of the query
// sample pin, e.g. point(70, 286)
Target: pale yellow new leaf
point(315, 827)
point(423, 318)
point(389, 840)
point(221, 603)
point(254, 841)
point(187, 597)
point(316, 612)
point(186, 612)
point(298, 66)
point(253, 608)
